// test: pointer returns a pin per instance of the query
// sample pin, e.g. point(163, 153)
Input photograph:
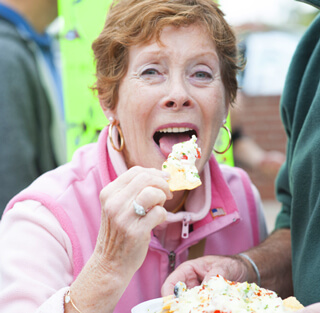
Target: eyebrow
point(160, 54)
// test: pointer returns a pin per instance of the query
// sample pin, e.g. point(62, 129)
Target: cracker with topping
point(181, 165)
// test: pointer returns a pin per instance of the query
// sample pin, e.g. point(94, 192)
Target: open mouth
point(167, 137)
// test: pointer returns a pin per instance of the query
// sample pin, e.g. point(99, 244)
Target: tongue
point(168, 140)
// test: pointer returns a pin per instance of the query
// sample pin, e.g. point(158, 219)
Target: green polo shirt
point(298, 183)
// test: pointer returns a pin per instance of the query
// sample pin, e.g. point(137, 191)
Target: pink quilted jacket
point(71, 193)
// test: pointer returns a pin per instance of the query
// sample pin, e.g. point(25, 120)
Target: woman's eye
point(152, 75)
point(150, 71)
point(202, 75)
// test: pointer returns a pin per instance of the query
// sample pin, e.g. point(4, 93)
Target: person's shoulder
point(229, 173)
point(8, 32)
point(229, 170)
point(16, 59)
point(233, 174)
point(13, 46)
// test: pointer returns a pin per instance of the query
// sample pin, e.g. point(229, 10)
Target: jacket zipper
point(172, 260)
point(184, 234)
point(185, 226)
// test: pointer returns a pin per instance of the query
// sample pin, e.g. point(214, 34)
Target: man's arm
point(273, 259)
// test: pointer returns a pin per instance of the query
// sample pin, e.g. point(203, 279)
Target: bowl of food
point(220, 295)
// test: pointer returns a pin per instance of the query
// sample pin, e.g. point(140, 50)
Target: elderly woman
point(72, 241)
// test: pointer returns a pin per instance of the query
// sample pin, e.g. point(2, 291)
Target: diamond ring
point(139, 209)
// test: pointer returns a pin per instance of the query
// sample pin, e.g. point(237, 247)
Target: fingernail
point(165, 175)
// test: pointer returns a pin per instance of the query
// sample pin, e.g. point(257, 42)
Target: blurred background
point(268, 32)
point(285, 14)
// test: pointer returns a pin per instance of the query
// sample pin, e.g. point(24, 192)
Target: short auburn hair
point(132, 22)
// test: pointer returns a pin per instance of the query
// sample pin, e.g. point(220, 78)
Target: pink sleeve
point(35, 260)
point(55, 304)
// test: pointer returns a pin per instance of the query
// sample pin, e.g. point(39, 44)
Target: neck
point(178, 206)
point(39, 13)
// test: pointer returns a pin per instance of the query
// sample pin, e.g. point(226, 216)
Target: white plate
point(151, 306)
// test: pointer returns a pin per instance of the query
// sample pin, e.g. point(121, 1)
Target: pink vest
point(71, 193)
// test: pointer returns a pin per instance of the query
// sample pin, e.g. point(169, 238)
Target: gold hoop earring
point(229, 144)
point(115, 123)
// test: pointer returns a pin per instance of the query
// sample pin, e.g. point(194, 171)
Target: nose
point(178, 95)
point(177, 104)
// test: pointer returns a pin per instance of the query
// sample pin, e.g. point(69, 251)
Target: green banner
point(83, 21)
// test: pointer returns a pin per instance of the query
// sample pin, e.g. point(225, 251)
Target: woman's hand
point(123, 238)
point(194, 272)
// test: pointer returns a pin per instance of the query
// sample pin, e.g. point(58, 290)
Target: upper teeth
point(174, 130)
